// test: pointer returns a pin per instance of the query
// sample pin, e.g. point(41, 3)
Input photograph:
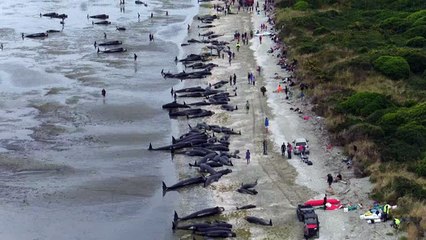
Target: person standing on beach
point(283, 149)
point(289, 148)
point(235, 79)
point(135, 56)
point(325, 202)
point(266, 124)
point(103, 92)
point(329, 180)
point(230, 80)
point(105, 35)
point(260, 39)
point(248, 156)
point(263, 90)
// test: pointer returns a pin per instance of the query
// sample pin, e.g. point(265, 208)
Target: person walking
point(238, 46)
point(248, 156)
point(247, 106)
point(235, 78)
point(230, 80)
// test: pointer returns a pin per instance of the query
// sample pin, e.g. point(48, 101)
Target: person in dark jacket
point(248, 156)
point(329, 179)
point(283, 149)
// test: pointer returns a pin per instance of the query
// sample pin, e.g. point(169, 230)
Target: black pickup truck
point(307, 215)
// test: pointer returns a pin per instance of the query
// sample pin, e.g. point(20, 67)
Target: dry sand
point(283, 183)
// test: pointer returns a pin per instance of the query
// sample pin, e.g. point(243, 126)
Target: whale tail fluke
point(175, 217)
point(150, 147)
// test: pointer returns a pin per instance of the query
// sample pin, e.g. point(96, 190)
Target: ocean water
point(75, 165)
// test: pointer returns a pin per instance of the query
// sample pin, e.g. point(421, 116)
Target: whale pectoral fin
point(150, 147)
point(270, 222)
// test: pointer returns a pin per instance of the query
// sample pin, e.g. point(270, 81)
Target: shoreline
point(282, 183)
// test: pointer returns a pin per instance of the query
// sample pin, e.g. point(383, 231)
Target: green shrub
point(413, 134)
point(420, 168)
point(308, 48)
point(393, 67)
point(391, 121)
point(416, 15)
point(417, 112)
point(416, 60)
point(365, 103)
point(420, 22)
point(416, 31)
point(301, 6)
point(395, 24)
point(320, 31)
point(361, 130)
point(404, 186)
point(416, 42)
point(375, 117)
point(399, 151)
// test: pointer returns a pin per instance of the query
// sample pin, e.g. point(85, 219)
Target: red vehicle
point(307, 215)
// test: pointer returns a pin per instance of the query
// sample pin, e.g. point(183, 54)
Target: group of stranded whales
point(102, 21)
point(209, 142)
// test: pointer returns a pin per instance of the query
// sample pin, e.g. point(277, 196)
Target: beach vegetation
point(366, 61)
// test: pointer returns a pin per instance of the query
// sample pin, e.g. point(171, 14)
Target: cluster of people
point(251, 78)
point(286, 148)
point(151, 37)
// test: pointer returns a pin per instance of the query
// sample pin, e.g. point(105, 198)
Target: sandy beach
point(282, 183)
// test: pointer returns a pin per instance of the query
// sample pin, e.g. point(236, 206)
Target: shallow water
point(74, 165)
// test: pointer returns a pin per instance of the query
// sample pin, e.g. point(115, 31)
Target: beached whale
point(191, 89)
point(110, 43)
point(121, 28)
point(247, 191)
point(54, 15)
point(113, 50)
point(185, 112)
point(99, 16)
point(202, 213)
point(249, 185)
point(200, 226)
point(102, 22)
point(183, 183)
point(141, 3)
point(217, 234)
point(246, 207)
point(53, 31)
point(260, 221)
point(228, 107)
point(204, 113)
point(174, 104)
point(207, 26)
point(36, 35)
point(202, 103)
